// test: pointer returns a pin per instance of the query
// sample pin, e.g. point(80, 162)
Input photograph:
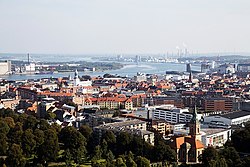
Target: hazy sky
point(124, 26)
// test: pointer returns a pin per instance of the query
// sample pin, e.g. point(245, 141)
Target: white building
point(5, 67)
point(30, 67)
point(135, 127)
point(140, 77)
point(51, 86)
point(78, 82)
point(234, 118)
point(215, 137)
point(175, 77)
point(226, 69)
point(180, 129)
point(174, 115)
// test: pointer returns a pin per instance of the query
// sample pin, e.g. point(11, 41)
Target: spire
point(194, 119)
point(194, 126)
point(76, 74)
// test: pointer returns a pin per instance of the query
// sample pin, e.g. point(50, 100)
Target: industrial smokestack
point(28, 58)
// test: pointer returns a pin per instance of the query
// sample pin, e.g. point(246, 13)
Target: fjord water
point(129, 69)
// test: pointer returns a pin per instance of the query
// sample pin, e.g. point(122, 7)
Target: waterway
point(129, 69)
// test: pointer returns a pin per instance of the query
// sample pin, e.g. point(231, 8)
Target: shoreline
point(128, 69)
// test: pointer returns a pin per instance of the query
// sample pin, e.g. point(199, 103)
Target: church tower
point(76, 78)
point(194, 126)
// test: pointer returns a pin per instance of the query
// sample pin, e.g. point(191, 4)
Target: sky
point(124, 26)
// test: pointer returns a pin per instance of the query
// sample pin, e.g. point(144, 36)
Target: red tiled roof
point(56, 94)
point(191, 140)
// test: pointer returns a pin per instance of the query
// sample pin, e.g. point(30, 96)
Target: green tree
point(10, 121)
point(68, 157)
point(130, 162)
point(30, 123)
point(6, 113)
point(147, 149)
point(246, 162)
point(119, 163)
point(163, 152)
point(4, 128)
point(75, 143)
point(130, 155)
point(110, 159)
point(48, 150)
point(212, 163)
point(21, 118)
point(209, 156)
point(98, 164)
point(123, 142)
point(15, 134)
point(86, 131)
point(50, 115)
point(28, 142)
point(104, 147)
point(240, 140)
point(110, 139)
point(56, 127)
point(15, 156)
point(3, 144)
point(137, 145)
point(97, 153)
point(142, 162)
point(231, 156)
point(43, 125)
point(38, 137)
point(92, 142)
point(221, 163)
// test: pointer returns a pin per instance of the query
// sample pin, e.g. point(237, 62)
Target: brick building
point(218, 104)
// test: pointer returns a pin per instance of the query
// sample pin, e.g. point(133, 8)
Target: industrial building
point(5, 67)
point(233, 118)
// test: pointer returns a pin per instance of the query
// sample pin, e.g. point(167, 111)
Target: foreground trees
point(25, 140)
point(225, 157)
point(15, 156)
point(48, 150)
point(241, 139)
point(74, 143)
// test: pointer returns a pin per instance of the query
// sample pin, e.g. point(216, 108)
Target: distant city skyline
point(124, 26)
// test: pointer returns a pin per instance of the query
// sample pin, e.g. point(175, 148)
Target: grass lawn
point(62, 164)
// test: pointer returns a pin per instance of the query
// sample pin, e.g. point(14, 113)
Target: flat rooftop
point(236, 114)
point(121, 124)
point(210, 131)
